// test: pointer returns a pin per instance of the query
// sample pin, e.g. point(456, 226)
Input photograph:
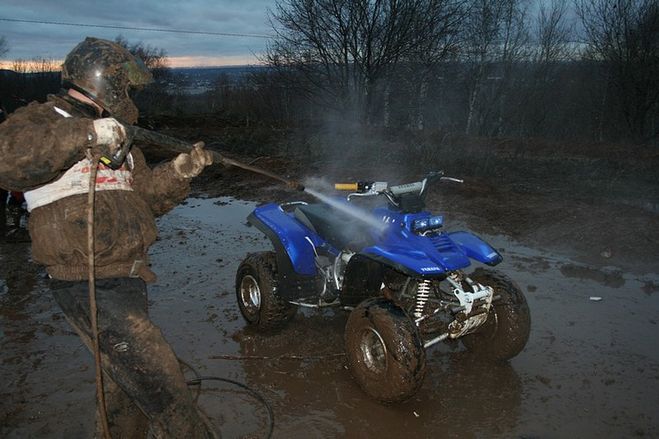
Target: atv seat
point(340, 230)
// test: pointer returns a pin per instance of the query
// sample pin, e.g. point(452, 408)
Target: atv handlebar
point(373, 188)
point(346, 186)
point(457, 180)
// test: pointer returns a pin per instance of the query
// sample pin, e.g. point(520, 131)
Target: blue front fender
point(476, 248)
point(418, 255)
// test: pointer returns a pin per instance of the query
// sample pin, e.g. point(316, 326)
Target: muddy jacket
point(38, 144)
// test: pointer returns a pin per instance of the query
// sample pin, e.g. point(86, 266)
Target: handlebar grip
point(346, 187)
point(406, 188)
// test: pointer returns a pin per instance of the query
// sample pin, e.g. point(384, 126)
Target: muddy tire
point(506, 330)
point(256, 292)
point(384, 351)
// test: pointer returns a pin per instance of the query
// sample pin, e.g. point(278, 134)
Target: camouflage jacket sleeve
point(37, 144)
point(160, 187)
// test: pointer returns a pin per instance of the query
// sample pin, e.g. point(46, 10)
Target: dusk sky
point(31, 40)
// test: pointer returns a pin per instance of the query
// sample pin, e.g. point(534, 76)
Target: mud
point(590, 369)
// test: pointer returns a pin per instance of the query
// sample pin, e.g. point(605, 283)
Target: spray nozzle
point(296, 185)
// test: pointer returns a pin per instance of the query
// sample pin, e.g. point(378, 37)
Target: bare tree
point(553, 33)
point(440, 42)
point(153, 57)
point(36, 66)
point(552, 48)
point(157, 96)
point(341, 49)
point(623, 35)
point(495, 40)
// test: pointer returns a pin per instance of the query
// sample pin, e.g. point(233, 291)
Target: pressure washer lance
point(134, 133)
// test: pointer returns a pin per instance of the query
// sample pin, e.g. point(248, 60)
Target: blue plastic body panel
point(296, 239)
point(421, 255)
point(476, 248)
point(396, 245)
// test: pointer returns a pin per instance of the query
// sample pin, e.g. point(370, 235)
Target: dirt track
point(590, 369)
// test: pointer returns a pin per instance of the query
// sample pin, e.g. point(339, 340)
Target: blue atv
point(398, 272)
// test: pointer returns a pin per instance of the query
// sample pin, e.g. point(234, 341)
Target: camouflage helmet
point(105, 71)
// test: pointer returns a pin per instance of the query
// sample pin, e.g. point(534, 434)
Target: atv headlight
point(423, 224)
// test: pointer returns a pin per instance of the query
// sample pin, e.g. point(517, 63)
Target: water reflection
point(18, 325)
point(19, 277)
point(314, 395)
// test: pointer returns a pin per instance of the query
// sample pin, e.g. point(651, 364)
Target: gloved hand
point(109, 134)
point(190, 165)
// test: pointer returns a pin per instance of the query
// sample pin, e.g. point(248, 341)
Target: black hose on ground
point(254, 393)
point(199, 379)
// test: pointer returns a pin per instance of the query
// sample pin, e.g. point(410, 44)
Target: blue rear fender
point(288, 236)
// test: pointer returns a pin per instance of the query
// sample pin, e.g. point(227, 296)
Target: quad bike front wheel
point(256, 292)
point(384, 350)
point(506, 330)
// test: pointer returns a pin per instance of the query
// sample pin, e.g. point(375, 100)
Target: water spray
point(182, 146)
point(347, 208)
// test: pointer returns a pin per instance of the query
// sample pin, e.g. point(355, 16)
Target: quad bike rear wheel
point(384, 351)
point(256, 291)
point(506, 330)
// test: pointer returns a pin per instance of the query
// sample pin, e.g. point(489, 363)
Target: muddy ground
point(590, 368)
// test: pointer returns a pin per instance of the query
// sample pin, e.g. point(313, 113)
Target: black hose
point(197, 376)
point(199, 379)
point(93, 309)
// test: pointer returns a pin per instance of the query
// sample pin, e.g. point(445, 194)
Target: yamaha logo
point(430, 269)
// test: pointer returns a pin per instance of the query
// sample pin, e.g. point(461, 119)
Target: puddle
point(610, 278)
point(589, 369)
point(225, 212)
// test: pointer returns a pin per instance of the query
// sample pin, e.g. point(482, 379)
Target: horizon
point(10, 64)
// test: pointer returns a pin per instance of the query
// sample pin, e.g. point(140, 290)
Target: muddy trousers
point(145, 388)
